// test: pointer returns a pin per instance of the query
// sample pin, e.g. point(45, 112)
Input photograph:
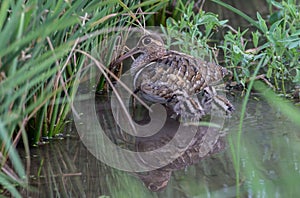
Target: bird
point(174, 78)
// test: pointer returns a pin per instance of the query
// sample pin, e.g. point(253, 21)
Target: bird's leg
point(188, 106)
point(224, 104)
point(210, 94)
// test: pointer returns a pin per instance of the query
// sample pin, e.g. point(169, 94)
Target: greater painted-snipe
point(175, 78)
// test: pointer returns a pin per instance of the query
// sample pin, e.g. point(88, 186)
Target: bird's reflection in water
point(205, 142)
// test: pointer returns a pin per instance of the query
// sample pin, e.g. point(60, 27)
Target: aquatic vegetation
point(40, 57)
point(276, 40)
point(38, 64)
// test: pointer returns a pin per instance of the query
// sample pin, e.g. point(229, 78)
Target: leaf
point(255, 39)
point(293, 45)
point(236, 49)
point(297, 77)
point(275, 25)
point(269, 72)
point(277, 4)
point(262, 23)
point(240, 13)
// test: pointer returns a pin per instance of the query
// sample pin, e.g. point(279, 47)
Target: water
point(269, 164)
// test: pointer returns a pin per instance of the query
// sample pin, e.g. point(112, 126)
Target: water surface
point(269, 164)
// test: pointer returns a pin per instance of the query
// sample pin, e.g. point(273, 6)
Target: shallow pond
point(269, 164)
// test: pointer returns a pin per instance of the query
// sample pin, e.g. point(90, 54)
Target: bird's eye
point(152, 187)
point(146, 41)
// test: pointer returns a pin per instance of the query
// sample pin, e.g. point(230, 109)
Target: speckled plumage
point(175, 78)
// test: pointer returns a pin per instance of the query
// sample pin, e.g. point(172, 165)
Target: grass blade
point(240, 13)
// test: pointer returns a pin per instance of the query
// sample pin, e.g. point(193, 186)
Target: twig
point(259, 77)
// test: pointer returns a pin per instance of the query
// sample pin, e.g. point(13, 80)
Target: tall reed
point(38, 64)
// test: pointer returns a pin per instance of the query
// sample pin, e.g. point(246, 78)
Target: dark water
point(269, 165)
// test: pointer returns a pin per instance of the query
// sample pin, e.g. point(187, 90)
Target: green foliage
point(278, 39)
point(38, 64)
point(275, 54)
point(236, 148)
point(5, 180)
point(193, 31)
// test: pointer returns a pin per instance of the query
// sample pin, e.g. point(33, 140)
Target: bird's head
point(150, 47)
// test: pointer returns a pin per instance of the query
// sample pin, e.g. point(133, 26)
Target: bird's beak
point(131, 52)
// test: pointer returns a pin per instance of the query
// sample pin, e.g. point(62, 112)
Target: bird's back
point(175, 72)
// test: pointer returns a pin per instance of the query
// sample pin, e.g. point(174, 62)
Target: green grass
point(40, 57)
point(277, 37)
point(275, 55)
point(271, 52)
point(39, 63)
